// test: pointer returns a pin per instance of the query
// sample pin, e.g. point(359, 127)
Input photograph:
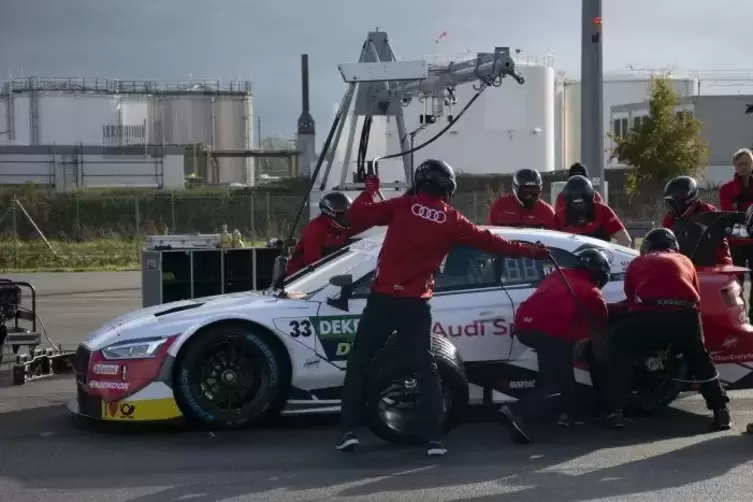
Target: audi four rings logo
point(428, 213)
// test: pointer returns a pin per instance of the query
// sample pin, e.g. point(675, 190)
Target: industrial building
point(115, 113)
point(726, 127)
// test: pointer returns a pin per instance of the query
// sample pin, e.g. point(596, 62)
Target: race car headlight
point(145, 348)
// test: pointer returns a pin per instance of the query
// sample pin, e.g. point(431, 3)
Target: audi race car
point(234, 359)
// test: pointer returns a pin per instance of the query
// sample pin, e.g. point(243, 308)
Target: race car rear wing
point(699, 235)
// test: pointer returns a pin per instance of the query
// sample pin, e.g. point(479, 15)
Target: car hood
point(176, 317)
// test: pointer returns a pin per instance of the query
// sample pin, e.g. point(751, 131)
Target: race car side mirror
point(345, 283)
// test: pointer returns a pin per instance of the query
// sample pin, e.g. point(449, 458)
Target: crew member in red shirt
point(663, 298)
point(582, 215)
point(524, 207)
point(576, 169)
point(681, 196)
point(324, 234)
point(422, 228)
point(550, 321)
point(737, 195)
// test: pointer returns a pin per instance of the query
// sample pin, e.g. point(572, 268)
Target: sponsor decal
point(624, 264)
point(105, 369)
point(732, 358)
point(154, 409)
point(337, 327)
point(118, 411)
point(428, 213)
point(520, 384)
point(95, 384)
point(312, 362)
point(498, 327)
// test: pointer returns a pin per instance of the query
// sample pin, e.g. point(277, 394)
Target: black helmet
point(681, 195)
point(659, 239)
point(597, 265)
point(336, 205)
point(435, 177)
point(578, 194)
point(577, 169)
point(526, 185)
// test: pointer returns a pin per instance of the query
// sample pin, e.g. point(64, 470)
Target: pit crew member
point(550, 321)
point(737, 195)
point(663, 297)
point(324, 234)
point(582, 215)
point(576, 169)
point(524, 207)
point(681, 196)
point(422, 229)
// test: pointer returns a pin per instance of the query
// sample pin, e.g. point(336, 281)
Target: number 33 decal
point(300, 328)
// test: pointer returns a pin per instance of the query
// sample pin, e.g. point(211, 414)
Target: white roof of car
point(562, 240)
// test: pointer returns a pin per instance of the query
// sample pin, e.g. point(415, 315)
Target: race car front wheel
point(393, 393)
point(228, 377)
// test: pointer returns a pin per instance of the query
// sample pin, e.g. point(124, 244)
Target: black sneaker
point(722, 420)
point(614, 420)
point(435, 449)
point(348, 442)
point(519, 435)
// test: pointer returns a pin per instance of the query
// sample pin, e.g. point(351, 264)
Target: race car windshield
point(317, 277)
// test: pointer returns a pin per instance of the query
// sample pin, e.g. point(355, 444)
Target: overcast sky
point(262, 39)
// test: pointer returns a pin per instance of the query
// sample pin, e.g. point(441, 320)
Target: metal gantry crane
point(380, 85)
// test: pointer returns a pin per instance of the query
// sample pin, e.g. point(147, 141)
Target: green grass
point(104, 254)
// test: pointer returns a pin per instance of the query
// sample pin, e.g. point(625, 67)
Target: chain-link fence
point(83, 230)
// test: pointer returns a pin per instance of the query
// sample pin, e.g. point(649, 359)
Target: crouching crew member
point(422, 228)
point(663, 296)
point(681, 196)
point(582, 215)
point(524, 207)
point(737, 195)
point(551, 321)
point(576, 169)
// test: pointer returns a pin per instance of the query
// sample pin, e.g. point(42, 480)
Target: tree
point(663, 145)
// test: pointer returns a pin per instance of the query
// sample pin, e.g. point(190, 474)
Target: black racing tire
point(389, 367)
point(261, 365)
point(652, 393)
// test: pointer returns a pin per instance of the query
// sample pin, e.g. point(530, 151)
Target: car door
point(470, 308)
point(336, 327)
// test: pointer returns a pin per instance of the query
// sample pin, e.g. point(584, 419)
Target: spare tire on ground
point(393, 409)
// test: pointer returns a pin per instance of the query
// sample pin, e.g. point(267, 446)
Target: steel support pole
point(592, 91)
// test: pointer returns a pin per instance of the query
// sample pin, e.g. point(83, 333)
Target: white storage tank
point(506, 129)
point(619, 89)
point(69, 111)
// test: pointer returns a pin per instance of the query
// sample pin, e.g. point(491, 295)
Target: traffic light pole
point(592, 91)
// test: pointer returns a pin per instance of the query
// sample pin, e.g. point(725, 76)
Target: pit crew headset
point(435, 178)
point(335, 205)
point(681, 195)
point(526, 186)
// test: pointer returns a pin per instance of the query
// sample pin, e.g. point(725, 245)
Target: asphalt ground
point(45, 455)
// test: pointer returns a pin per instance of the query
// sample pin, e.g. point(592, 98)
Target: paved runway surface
point(47, 456)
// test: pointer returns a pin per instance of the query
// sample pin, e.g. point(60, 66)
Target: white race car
point(228, 360)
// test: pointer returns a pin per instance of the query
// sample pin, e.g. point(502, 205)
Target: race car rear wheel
point(654, 384)
point(229, 376)
point(393, 393)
